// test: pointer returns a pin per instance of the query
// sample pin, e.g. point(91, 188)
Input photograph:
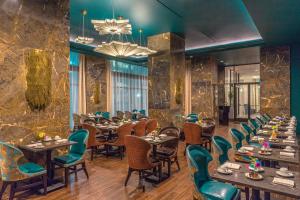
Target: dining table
point(277, 155)
point(155, 142)
point(271, 181)
point(48, 147)
point(278, 142)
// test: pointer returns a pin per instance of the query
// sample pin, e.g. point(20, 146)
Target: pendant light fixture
point(82, 39)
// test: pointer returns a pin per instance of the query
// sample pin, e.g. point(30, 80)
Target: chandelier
point(82, 39)
point(118, 49)
point(112, 26)
point(119, 28)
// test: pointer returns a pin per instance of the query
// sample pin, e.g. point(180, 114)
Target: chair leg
point(85, 170)
point(66, 176)
point(169, 167)
point(45, 183)
point(177, 163)
point(4, 186)
point(92, 153)
point(12, 191)
point(159, 172)
point(75, 171)
point(106, 149)
point(128, 176)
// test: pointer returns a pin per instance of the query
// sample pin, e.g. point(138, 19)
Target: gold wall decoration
point(38, 78)
point(97, 92)
point(178, 91)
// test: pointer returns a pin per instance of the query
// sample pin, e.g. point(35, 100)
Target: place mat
point(287, 154)
point(289, 141)
point(282, 181)
point(231, 165)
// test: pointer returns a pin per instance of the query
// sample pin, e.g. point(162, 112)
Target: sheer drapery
point(73, 75)
point(188, 90)
point(81, 86)
point(129, 87)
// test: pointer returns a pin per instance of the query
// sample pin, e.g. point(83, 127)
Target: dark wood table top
point(47, 146)
point(160, 140)
point(269, 133)
point(238, 177)
point(275, 156)
point(279, 143)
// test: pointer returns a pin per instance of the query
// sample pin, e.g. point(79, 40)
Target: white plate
point(163, 135)
point(243, 151)
point(287, 175)
point(148, 139)
point(266, 153)
point(259, 177)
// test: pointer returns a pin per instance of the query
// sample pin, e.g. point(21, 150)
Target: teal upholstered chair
point(267, 116)
point(264, 118)
point(254, 123)
point(98, 113)
point(238, 138)
point(75, 155)
point(143, 112)
point(15, 169)
point(205, 187)
point(260, 120)
point(222, 146)
point(249, 132)
point(106, 115)
point(193, 117)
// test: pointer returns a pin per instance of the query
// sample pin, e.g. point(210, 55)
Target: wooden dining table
point(280, 143)
point(48, 147)
point(266, 184)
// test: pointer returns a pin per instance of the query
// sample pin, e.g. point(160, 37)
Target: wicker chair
point(140, 128)
point(90, 122)
point(77, 123)
point(93, 142)
point(151, 125)
point(193, 135)
point(128, 115)
point(116, 119)
point(120, 114)
point(103, 120)
point(138, 153)
point(168, 151)
point(122, 131)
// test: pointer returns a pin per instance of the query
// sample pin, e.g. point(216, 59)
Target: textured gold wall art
point(179, 91)
point(39, 73)
point(97, 92)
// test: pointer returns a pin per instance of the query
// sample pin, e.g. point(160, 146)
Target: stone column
point(166, 78)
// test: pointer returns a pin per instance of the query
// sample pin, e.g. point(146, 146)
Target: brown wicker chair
point(116, 119)
point(93, 142)
point(120, 114)
point(102, 120)
point(128, 115)
point(138, 153)
point(122, 131)
point(140, 128)
point(77, 123)
point(151, 125)
point(193, 135)
point(90, 122)
point(168, 151)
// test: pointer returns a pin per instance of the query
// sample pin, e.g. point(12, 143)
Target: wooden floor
point(107, 176)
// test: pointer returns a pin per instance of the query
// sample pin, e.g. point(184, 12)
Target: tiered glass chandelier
point(112, 26)
point(82, 39)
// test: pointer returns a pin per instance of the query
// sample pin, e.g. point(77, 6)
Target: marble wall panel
point(96, 84)
point(275, 80)
point(166, 83)
point(26, 26)
point(204, 79)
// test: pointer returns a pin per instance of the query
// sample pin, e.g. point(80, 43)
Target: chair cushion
point(68, 158)
point(214, 190)
point(31, 168)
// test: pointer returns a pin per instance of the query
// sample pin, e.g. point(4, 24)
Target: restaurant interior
point(149, 99)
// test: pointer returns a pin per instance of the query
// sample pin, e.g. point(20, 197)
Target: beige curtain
point(82, 86)
point(188, 89)
point(109, 87)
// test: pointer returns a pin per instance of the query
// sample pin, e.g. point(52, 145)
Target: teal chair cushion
point(143, 112)
point(238, 137)
point(68, 158)
point(106, 115)
point(31, 168)
point(214, 190)
point(223, 147)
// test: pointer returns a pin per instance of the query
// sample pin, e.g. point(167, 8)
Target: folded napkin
point(231, 165)
point(288, 141)
point(289, 133)
point(282, 181)
point(248, 148)
point(287, 154)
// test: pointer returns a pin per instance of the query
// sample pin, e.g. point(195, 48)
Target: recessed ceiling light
point(221, 61)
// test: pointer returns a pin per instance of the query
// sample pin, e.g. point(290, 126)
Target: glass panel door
point(241, 101)
point(254, 100)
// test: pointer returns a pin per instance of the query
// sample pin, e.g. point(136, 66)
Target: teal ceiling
point(207, 25)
